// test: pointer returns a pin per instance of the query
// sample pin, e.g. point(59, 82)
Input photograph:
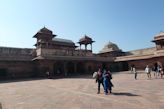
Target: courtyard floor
point(80, 92)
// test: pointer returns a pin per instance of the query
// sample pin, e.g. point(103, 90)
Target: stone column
point(80, 46)
point(51, 68)
point(65, 69)
point(85, 46)
point(75, 67)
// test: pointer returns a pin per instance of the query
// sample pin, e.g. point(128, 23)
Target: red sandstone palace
point(62, 57)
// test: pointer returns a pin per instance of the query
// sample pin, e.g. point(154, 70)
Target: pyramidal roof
point(85, 38)
point(158, 37)
point(45, 30)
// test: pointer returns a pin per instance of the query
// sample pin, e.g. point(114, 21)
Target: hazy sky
point(131, 24)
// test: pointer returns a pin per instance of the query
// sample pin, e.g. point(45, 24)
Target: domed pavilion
point(85, 40)
point(159, 40)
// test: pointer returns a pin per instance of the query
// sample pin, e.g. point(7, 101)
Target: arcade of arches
point(66, 68)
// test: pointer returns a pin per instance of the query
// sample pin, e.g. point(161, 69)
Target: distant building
point(61, 57)
point(151, 56)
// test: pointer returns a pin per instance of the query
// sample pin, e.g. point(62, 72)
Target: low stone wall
point(141, 51)
point(141, 64)
point(15, 51)
point(17, 69)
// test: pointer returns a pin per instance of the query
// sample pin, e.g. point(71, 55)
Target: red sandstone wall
point(141, 64)
point(89, 66)
point(19, 69)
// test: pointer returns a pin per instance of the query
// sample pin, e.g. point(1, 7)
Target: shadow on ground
point(125, 94)
point(21, 80)
point(86, 76)
point(42, 78)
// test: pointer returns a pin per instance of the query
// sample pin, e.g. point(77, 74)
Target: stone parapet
point(15, 51)
point(141, 51)
point(60, 52)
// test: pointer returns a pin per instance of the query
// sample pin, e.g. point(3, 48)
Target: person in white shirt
point(134, 71)
point(148, 71)
point(48, 74)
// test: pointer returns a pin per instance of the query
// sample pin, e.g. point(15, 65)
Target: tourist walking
point(148, 71)
point(134, 71)
point(48, 74)
point(99, 80)
point(162, 72)
point(155, 70)
point(106, 82)
point(110, 82)
point(159, 70)
point(131, 69)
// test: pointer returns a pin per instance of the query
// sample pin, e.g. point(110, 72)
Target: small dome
point(45, 30)
point(109, 47)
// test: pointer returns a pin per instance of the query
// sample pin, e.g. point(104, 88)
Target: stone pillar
point(49, 65)
point(65, 69)
point(51, 70)
point(75, 67)
point(85, 46)
point(80, 46)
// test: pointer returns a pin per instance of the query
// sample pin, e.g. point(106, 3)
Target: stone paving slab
point(80, 93)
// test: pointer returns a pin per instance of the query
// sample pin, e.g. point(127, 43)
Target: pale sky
point(131, 24)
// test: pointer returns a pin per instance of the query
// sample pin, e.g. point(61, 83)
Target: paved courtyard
point(80, 93)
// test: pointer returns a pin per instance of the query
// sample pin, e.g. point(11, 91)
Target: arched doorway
point(114, 67)
point(125, 66)
point(80, 67)
point(3, 73)
point(155, 66)
point(104, 66)
point(89, 69)
point(58, 68)
point(70, 68)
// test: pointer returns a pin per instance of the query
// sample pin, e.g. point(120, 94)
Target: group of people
point(104, 77)
point(158, 71)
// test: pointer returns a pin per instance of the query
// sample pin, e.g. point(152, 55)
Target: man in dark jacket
point(99, 79)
